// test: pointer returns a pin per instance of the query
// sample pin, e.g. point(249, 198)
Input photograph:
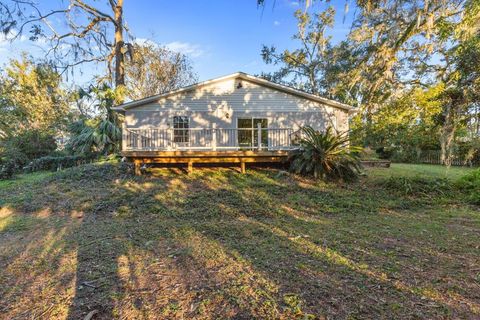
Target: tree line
point(410, 69)
point(44, 114)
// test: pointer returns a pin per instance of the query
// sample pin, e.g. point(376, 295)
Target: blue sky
point(220, 36)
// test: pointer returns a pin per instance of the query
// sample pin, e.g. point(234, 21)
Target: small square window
point(180, 129)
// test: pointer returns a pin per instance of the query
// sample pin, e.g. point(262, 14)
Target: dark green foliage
point(12, 155)
point(384, 152)
point(326, 156)
point(18, 150)
point(406, 155)
point(468, 151)
point(57, 163)
point(471, 180)
point(99, 134)
point(95, 136)
point(7, 170)
point(471, 184)
point(27, 145)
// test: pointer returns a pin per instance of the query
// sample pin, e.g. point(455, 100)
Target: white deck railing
point(208, 139)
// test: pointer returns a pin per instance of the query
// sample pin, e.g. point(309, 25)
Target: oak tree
point(87, 32)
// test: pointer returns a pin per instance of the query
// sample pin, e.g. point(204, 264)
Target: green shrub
point(325, 155)
point(384, 152)
point(405, 155)
point(56, 163)
point(468, 151)
point(13, 157)
point(7, 170)
point(470, 183)
point(18, 150)
point(94, 136)
point(31, 144)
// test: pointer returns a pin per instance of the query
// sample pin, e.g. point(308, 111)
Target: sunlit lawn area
point(218, 244)
point(423, 170)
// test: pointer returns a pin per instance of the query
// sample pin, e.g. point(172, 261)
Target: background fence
point(434, 156)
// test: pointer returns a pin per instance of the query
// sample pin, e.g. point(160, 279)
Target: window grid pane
point(180, 129)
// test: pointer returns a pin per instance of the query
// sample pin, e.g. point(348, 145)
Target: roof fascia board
point(243, 76)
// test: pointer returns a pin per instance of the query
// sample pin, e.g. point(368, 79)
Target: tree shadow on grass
point(124, 267)
point(37, 263)
point(216, 244)
point(288, 249)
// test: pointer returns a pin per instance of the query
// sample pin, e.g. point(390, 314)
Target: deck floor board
point(200, 154)
point(191, 157)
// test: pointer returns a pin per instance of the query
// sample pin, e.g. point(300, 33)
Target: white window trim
point(172, 126)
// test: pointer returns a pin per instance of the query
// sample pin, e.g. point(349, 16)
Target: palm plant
point(94, 135)
point(102, 133)
point(325, 155)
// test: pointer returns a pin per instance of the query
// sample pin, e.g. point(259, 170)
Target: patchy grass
point(423, 170)
point(23, 179)
point(217, 244)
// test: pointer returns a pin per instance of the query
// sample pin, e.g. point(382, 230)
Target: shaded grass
point(217, 244)
point(22, 179)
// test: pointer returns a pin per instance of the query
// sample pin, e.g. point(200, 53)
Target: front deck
point(189, 146)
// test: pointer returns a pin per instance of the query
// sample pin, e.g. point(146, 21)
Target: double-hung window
point(180, 129)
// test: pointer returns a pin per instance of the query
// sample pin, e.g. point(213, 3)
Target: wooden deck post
point(242, 167)
point(190, 167)
point(137, 164)
point(259, 135)
point(139, 140)
point(124, 136)
point(214, 137)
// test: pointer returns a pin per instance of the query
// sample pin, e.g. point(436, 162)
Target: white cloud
point(5, 39)
point(11, 41)
point(141, 41)
point(294, 3)
point(276, 23)
point(6, 44)
point(193, 50)
point(187, 48)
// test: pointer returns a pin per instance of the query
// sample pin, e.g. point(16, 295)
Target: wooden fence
point(434, 156)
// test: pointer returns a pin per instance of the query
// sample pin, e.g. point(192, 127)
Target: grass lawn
point(218, 244)
point(423, 170)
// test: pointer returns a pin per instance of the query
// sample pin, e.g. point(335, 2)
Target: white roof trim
point(240, 75)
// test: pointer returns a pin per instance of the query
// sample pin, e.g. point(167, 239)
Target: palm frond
point(326, 155)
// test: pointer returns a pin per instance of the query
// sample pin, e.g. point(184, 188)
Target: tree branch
point(92, 10)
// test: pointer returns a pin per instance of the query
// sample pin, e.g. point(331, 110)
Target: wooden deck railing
point(209, 139)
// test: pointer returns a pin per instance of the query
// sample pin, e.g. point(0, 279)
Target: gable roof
point(237, 75)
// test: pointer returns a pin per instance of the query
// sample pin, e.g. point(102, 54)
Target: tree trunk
point(313, 82)
point(119, 43)
point(447, 135)
point(477, 131)
point(119, 62)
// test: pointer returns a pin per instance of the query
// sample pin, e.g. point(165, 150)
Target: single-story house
point(238, 117)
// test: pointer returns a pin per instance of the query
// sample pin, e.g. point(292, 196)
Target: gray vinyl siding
point(220, 104)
